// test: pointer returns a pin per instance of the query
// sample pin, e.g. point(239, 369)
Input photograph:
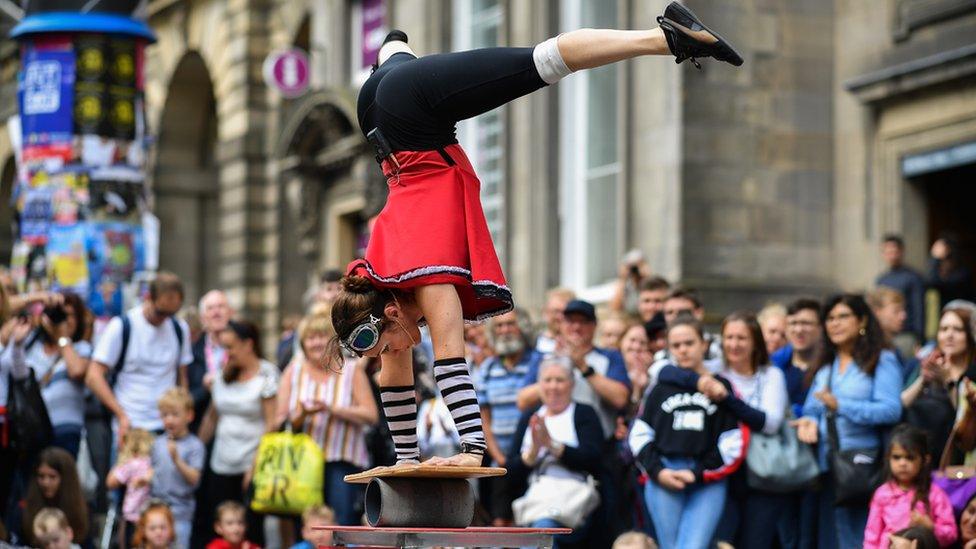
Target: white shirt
point(240, 419)
point(150, 364)
point(765, 391)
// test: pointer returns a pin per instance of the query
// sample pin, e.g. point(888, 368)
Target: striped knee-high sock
point(400, 407)
point(457, 390)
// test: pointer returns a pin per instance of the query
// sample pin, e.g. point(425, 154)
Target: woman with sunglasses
point(334, 404)
point(430, 256)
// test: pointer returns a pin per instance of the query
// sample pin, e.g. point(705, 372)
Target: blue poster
point(37, 214)
point(46, 96)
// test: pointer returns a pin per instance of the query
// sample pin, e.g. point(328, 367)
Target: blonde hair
point(227, 507)
point(562, 292)
point(178, 398)
point(136, 443)
point(321, 512)
point(883, 295)
point(48, 520)
point(770, 311)
point(634, 540)
point(315, 324)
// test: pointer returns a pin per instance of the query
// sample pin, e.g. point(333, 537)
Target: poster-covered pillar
point(83, 222)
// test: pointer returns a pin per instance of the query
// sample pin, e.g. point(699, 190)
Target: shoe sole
point(734, 57)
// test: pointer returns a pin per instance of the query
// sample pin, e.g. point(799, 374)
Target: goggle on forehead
point(364, 337)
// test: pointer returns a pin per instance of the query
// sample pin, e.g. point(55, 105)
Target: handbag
point(779, 462)
point(288, 474)
point(568, 501)
point(30, 425)
point(957, 481)
point(856, 472)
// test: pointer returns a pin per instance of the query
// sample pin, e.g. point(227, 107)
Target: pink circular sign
point(287, 71)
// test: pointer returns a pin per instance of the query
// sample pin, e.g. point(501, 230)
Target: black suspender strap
point(447, 158)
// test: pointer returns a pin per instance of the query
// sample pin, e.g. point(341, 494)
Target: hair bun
point(357, 284)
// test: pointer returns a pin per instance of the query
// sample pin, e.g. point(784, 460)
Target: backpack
point(94, 407)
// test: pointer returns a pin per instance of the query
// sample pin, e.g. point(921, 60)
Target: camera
point(56, 314)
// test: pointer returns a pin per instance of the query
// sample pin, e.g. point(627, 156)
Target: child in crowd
point(231, 527)
point(312, 538)
point(177, 461)
point(155, 529)
point(634, 540)
point(908, 497)
point(52, 531)
point(134, 471)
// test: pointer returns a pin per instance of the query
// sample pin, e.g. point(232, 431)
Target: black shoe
point(688, 38)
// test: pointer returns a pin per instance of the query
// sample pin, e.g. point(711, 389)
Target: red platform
point(365, 536)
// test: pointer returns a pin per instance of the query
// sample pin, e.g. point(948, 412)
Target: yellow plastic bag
point(288, 474)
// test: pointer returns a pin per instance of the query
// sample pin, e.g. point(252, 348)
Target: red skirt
point(433, 231)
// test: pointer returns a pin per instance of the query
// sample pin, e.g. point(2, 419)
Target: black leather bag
point(30, 424)
point(856, 472)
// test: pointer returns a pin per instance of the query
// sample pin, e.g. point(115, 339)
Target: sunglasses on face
point(365, 336)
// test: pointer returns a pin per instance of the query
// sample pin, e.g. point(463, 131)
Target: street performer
point(430, 257)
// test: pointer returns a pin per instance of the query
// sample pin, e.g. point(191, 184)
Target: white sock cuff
point(391, 48)
point(549, 62)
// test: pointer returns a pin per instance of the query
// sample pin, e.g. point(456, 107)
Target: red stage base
point(361, 536)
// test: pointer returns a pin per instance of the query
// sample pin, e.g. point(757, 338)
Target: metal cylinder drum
point(419, 502)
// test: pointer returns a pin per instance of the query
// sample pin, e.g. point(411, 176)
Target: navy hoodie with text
point(681, 423)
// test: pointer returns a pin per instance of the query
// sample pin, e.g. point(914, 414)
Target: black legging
point(420, 100)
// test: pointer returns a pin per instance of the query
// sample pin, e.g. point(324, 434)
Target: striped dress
point(339, 439)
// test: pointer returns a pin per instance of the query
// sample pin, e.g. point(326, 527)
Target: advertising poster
point(36, 214)
point(90, 88)
point(117, 251)
point(46, 97)
point(81, 148)
point(67, 258)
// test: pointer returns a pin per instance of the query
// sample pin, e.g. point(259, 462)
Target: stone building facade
point(770, 180)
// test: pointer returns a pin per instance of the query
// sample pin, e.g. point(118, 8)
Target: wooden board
point(424, 471)
point(344, 536)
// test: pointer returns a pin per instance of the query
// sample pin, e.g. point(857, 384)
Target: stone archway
point(318, 155)
point(186, 178)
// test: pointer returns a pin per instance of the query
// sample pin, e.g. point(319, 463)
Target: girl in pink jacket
point(908, 497)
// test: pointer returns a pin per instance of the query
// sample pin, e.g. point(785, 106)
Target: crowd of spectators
point(823, 421)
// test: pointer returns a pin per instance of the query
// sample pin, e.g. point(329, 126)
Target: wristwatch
point(589, 371)
point(64, 341)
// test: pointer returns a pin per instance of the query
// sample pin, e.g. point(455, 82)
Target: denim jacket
point(865, 404)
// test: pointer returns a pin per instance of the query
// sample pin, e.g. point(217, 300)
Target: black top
point(684, 423)
point(417, 102)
